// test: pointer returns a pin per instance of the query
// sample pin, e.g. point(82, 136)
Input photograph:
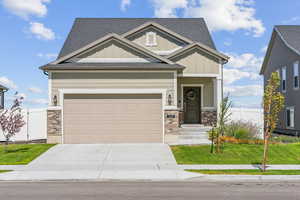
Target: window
point(151, 39)
point(283, 79)
point(296, 75)
point(290, 117)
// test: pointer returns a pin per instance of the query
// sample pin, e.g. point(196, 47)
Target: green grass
point(237, 154)
point(21, 154)
point(3, 171)
point(247, 172)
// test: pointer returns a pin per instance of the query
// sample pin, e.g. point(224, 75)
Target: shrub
point(242, 130)
point(285, 139)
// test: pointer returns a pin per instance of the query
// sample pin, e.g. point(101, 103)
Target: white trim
point(286, 43)
point(200, 75)
point(113, 60)
point(148, 34)
point(115, 71)
point(175, 89)
point(208, 109)
point(163, 92)
point(192, 85)
point(49, 88)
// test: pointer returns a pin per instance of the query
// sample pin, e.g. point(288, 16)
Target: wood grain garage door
point(112, 118)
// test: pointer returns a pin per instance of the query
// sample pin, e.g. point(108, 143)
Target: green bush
point(285, 139)
point(242, 130)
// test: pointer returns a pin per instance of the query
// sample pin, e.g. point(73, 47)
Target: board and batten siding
point(198, 62)
point(164, 42)
point(208, 88)
point(111, 49)
point(111, 80)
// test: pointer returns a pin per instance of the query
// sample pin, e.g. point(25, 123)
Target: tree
point(273, 103)
point(11, 120)
point(223, 118)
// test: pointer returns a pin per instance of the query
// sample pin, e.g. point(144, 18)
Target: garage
point(112, 118)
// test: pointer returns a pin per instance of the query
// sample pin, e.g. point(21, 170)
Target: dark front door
point(192, 105)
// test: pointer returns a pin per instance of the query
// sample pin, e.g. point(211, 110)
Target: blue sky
point(33, 31)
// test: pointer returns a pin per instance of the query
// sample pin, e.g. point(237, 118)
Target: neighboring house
point(283, 56)
point(133, 80)
point(2, 91)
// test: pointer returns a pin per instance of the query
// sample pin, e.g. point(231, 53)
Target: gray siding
point(282, 56)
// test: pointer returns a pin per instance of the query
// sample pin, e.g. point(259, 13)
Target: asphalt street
point(148, 190)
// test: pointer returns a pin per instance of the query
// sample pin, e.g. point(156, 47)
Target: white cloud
point(291, 20)
point(264, 49)
point(167, 8)
point(40, 101)
point(25, 8)
point(47, 55)
point(230, 15)
point(247, 61)
point(233, 75)
point(227, 43)
point(245, 90)
point(41, 32)
point(35, 90)
point(7, 83)
point(125, 4)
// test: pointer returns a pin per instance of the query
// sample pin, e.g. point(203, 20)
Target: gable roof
point(87, 30)
point(108, 37)
point(3, 88)
point(290, 36)
point(159, 27)
point(201, 46)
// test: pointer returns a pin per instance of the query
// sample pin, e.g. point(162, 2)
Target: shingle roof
point(111, 66)
point(87, 30)
point(291, 35)
point(3, 87)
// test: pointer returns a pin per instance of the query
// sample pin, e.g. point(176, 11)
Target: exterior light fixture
point(55, 100)
point(169, 99)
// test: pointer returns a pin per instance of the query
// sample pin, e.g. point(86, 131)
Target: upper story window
point(151, 39)
point(296, 75)
point(290, 117)
point(283, 79)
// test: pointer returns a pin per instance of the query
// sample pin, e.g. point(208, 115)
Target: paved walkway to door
point(103, 162)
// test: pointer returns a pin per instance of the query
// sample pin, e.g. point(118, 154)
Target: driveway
point(103, 162)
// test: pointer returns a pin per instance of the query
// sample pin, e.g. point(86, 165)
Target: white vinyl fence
point(35, 127)
point(255, 116)
point(36, 122)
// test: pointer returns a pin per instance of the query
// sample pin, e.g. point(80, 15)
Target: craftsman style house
point(283, 57)
point(133, 80)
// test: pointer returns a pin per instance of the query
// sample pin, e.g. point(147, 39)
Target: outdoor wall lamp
point(169, 99)
point(55, 100)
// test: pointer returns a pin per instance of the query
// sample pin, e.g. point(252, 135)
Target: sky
point(33, 32)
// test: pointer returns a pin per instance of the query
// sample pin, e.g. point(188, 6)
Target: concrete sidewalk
point(103, 162)
point(220, 167)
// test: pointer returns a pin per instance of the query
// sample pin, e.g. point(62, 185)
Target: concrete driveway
point(103, 162)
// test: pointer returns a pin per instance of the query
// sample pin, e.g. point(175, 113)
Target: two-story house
point(283, 57)
point(133, 80)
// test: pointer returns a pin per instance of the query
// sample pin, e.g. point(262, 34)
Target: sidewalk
point(220, 167)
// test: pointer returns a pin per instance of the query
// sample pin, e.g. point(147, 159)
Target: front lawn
point(248, 172)
point(22, 154)
point(237, 154)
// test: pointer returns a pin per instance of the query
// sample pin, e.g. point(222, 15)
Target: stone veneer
point(54, 129)
point(171, 121)
point(209, 118)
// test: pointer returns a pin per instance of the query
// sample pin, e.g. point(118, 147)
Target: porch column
point(217, 93)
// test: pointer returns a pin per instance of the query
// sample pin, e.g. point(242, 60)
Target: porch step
point(192, 134)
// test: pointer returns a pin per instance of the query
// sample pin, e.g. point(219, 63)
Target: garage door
point(112, 118)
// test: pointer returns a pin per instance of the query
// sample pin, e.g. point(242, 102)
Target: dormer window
point(151, 39)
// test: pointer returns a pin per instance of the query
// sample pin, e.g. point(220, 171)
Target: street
point(148, 190)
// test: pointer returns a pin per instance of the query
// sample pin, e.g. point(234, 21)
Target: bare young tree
point(273, 104)
point(11, 120)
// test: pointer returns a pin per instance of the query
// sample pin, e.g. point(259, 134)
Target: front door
point(192, 105)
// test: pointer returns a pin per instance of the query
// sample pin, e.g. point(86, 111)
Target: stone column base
point(209, 118)
point(54, 123)
point(171, 121)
